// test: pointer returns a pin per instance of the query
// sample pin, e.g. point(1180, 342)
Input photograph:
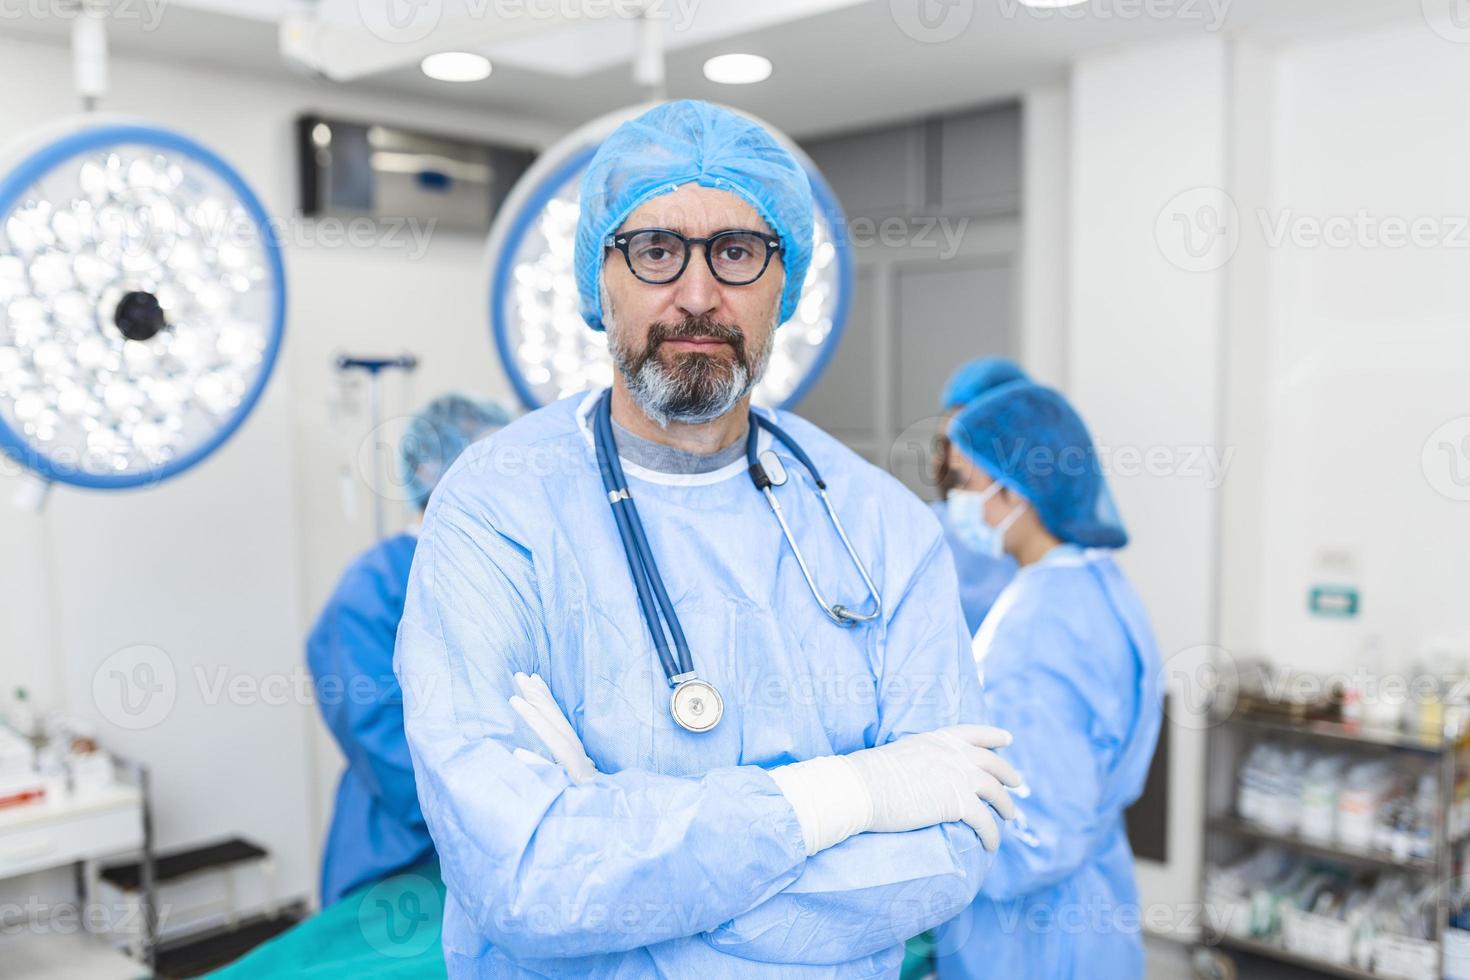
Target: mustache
point(691, 328)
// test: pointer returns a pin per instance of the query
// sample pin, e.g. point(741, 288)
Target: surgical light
point(142, 302)
point(456, 66)
point(737, 69)
point(546, 348)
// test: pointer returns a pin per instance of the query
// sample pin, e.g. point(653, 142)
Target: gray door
point(931, 206)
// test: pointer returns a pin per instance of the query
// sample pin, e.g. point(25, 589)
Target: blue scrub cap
point(1030, 439)
point(441, 430)
point(685, 142)
point(975, 378)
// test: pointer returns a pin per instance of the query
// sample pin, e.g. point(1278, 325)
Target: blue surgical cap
point(1029, 439)
point(975, 378)
point(441, 430)
point(686, 142)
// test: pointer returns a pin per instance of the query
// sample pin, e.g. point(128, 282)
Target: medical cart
point(1320, 943)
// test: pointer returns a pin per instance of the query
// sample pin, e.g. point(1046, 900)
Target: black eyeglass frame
point(620, 241)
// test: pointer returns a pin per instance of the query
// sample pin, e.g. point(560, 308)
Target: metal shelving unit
point(1332, 731)
point(1372, 859)
point(1226, 833)
point(1267, 951)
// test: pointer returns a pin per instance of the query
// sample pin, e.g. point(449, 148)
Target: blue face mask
point(967, 520)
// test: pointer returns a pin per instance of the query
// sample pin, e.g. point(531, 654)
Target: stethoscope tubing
point(653, 597)
point(636, 550)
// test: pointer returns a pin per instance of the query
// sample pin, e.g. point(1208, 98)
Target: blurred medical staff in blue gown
point(377, 828)
point(1070, 665)
point(644, 747)
point(982, 576)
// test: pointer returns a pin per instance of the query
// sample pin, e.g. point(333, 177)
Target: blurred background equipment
point(142, 293)
point(353, 169)
point(142, 301)
point(1335, 844)
point(372, 368)
point(65, 803)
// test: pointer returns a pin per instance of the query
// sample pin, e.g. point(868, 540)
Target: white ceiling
point(839, 64)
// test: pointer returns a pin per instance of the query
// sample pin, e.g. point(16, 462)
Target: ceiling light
point(456, 66)
point(737, 69)
point(141, 305)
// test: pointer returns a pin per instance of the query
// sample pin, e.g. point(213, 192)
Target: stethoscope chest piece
point(775, 472)
point(696, 705)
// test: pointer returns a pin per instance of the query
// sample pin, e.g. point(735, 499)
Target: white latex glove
point(539, 710)
point(912, 782)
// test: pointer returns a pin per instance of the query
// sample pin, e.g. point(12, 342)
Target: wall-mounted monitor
point(356, 169)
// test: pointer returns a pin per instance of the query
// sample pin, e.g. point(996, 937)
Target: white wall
point(225, 566)
point(1370, 353)
point(1245, 360)
point(1045, 232)
point(1150, 123)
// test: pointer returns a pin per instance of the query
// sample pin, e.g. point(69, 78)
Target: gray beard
point(700, 388)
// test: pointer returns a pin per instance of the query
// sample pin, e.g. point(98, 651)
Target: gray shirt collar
point(666, 459)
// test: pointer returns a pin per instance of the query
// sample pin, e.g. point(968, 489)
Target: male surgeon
point(643, 745)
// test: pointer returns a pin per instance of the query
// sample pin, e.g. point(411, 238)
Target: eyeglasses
point(659, 256)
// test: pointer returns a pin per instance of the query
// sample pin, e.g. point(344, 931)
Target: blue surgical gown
point(982, 577)
point(377, 827)
point(682, 859)
point(1072, 669)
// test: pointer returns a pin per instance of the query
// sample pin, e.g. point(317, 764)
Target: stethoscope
point(695, 704)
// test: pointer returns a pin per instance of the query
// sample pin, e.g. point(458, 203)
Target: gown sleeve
point(1050, 689)
point(627, 860)
point(350, 654)
point(875, 891)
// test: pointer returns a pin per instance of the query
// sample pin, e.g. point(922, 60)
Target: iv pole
point(374, 367)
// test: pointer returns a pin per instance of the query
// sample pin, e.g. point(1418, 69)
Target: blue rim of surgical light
point(36, 166)
point(500, 322)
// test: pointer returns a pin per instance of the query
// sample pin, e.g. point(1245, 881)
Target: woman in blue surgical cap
point(377, 828)
point(1070, 665)
point(982, 576)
